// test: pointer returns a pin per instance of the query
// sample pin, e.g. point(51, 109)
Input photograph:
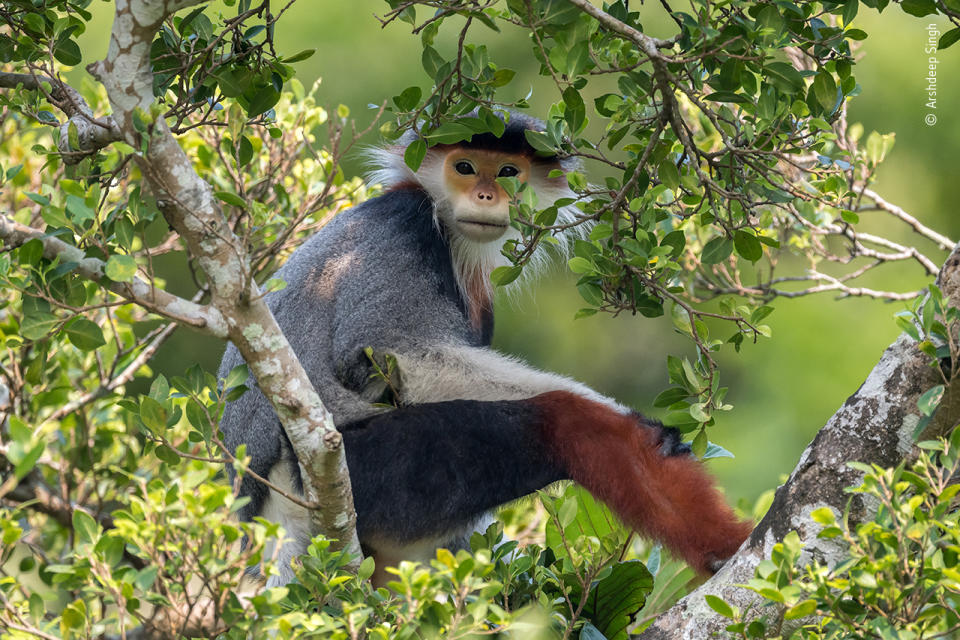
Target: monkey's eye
point(508, 171)
point(464, 168)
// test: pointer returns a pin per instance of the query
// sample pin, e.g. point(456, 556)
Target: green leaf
point(575, 112)
point(823, 515)
point(578, 264)
point(74, 616)
point(919, 8)
point(502, 77)
point(366, 568)
point(198, 419)
point(505, 275)
point(698, 412)
point(865, 579)
point(36, 197)
point(408, 99)
point(747, 245)
point(649, 306)
point(607, 104)
point(717, 250)
point(567, 513)
point(234, 82)
point(539, 141)
point(784, 76)
point(930, 400)
point(262, 101)
point(299, 57)
point(949, 38)
point(431, 60)
point(670, 396)
point(187, 19)
point(78, 210)
point(121, 268)
point(716, 451)
point(450, 133)
point(84, 334)
point(592, 293)
point(699, 444)
point(146, 577)
point(849, 216)
point(801, 610)
point(728, 96)
point(592, 519)
point(850, 9)
point(68, 52)
point(37, 320)
point(615, 600)
point(769, 17)
point(28, 461)
point(237, 376)
point(35, 22)
point(415, 153)
point(720, 606)
point(668, 174)
point(85, 527)
point(31, 251)
point(825, 90)
point(245, 153)
point(167, 454)
point(124, 232)
point(153, 414)
point(110, 549)
point(231, 198)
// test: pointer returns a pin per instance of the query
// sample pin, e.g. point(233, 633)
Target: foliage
point(932, 321)
point(724, 153)
point(568, 583)
point(723, 150)
point(900, 577)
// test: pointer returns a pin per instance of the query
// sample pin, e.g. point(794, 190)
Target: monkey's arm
point(420, 472)
point(450, 372)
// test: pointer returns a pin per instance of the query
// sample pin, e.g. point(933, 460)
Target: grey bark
point(188, 205)
point(875, 425)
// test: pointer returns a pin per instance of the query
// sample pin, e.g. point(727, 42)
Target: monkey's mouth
point(484, 224)
point(481, 230)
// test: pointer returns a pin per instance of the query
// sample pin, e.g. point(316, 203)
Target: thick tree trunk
point(875, 425)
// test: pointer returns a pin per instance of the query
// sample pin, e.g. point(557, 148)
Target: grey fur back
point(378, 275)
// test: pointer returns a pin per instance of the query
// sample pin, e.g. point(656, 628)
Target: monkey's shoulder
point(392, 216)
point(386, 257)
point(392, 226)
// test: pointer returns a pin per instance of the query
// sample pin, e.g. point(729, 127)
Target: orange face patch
point(472, 173)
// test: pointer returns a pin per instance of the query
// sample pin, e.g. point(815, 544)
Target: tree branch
point(647, 44)
point(943, 242)
point(204, 318)
point(188, 205)
point(93, 133)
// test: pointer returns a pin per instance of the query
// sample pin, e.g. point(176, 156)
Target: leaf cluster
point(723, 152)
point(899, 573)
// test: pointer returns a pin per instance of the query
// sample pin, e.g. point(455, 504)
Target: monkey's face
point(479, 206)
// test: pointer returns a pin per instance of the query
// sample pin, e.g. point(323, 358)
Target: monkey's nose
point(485, 195)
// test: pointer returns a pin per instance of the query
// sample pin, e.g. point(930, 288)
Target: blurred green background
point(783, 389)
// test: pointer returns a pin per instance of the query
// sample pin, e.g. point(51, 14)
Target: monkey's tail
point(620, 460)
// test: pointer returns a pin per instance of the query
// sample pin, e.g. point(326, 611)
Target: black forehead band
point(513, 140)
